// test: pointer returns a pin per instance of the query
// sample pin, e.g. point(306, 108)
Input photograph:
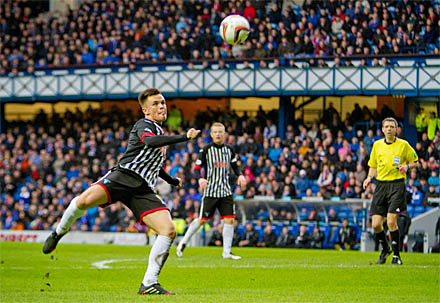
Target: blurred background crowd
point(46, 162)
point(134, 31)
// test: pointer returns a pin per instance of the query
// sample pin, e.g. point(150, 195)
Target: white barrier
point(75, 237)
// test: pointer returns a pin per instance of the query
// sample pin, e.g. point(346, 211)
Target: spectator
point(217, 237)
point(421, 123)
point(416, 197)
point(430, 194)
point(250, 237)
point(317, 238)
point(332, 215)
point(303, 238)
point(285, 239)
point(301, 183)
point(269, 238)
point(347, 236)
point(326, 177)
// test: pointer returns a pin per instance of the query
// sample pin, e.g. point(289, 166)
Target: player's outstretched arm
point(170, 180)
point(192, 133)
point(159, 141)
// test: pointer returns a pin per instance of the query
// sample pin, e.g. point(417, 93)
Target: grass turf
point(263, 275)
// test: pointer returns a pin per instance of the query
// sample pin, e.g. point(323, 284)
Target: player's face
point(389, 129)
point(218, 134)
point(155, 108)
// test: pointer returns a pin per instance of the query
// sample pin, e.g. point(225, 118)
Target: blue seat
point(429, 208)
point(240, 229)
point(315, 189)
point(334, 237)
point(326, 230)
point(410, 210)
point(310, 228)
point(343, 215)
point(294, 228)
point(260, 231)
point(277, 229)
point(303, 216)
point(418, 210)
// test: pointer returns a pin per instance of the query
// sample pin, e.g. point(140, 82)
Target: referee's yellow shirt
point(386, 158)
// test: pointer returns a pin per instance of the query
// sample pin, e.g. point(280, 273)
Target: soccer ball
point(234, 29)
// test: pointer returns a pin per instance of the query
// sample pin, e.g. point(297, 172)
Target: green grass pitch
point(263, 275)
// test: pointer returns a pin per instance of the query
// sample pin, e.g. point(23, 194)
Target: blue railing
point(83, 84)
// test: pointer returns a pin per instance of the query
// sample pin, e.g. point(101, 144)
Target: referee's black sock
point(395, 238)
point(382, 240)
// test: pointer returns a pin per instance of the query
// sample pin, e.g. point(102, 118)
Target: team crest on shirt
point(106, 181)
point(396, 161)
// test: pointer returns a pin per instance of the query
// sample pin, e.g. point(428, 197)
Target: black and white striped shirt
point(144, 160)
point(217, 161)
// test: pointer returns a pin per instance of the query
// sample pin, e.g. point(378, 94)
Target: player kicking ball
point(217, 159)
point(132, 182)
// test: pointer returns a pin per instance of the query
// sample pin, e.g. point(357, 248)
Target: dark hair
point(390, 119)
point(142, 98)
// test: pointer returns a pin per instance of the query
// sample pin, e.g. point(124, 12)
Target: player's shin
point(192, 229)
point(382, 240)
point(71, 214)
point(395, 238)
point(158, 256)
point(228, 234)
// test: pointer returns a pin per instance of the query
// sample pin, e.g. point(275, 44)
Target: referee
point(389, 162)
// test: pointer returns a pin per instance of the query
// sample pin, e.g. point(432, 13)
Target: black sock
point(382, 240)
point(395, 238)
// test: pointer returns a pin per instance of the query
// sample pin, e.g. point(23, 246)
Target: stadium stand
point(129, 32)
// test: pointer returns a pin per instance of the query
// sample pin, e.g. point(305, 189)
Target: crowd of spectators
point(136, 31)
point(44, 163)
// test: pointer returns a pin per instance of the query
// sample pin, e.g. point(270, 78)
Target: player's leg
point(395, 237)
point(207, 209)
point(192, 229)
point(377, 221)
point(397, 205)
point(93, 196)
point(379, 208)
point(161, 222)
point(226, 209)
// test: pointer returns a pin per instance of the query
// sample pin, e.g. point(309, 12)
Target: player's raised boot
point(396, 260)
point(230, 256)
point(384, 255)
point(155, 289)
point(51, 242)
point(180, 249)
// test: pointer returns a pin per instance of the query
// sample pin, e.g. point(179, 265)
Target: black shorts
point(389, 197)
point(225, 206)
point(121, 185)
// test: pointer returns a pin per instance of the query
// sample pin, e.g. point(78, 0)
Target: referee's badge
point(396, 161)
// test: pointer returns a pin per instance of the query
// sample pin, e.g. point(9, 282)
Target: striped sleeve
point(145, 130)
